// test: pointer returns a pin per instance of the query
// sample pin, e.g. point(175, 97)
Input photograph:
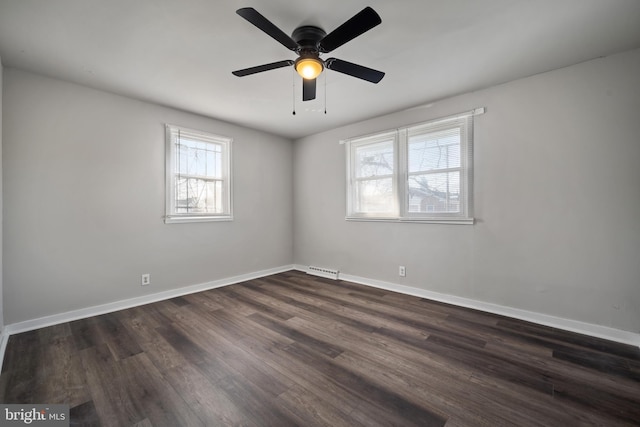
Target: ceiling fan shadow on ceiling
point(309, 42)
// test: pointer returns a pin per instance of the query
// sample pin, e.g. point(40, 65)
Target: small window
point(198, 176)
point(418, 173)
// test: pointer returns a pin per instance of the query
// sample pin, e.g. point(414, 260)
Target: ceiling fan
point(309, 42)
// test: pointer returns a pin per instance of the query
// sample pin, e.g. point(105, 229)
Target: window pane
point(374, 159)
point(195, 195)
point(374, 195)
point(434, 150)
point(435, 192)
point(213, 198)
point(197, 158)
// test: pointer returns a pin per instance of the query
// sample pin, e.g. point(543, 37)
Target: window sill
point(456, 221)
point(187, 219)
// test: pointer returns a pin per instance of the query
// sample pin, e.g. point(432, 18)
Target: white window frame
point(400, 209)
point(173, 132)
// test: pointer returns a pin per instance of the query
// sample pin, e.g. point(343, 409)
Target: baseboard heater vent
point(323, 272)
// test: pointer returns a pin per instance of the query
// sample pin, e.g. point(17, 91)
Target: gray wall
point(556, 200)
point(84, 200)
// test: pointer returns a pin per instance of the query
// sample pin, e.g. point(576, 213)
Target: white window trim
point(173, 218)
point(400, 183)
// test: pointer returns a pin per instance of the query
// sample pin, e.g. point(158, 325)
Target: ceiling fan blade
point(360, 23)
point(253, 16)
point(308, 89)
point(261, 68)
point(354, 70)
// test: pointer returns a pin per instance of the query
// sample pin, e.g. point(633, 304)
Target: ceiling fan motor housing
point(308, 38)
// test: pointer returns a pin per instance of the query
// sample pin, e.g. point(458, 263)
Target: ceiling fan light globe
point(309, 68)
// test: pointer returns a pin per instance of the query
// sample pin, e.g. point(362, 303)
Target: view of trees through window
point(434, 171)
point(374, 176)
point(198, 177)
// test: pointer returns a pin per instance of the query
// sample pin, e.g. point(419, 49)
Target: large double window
point(198, 176)
point(417, 173)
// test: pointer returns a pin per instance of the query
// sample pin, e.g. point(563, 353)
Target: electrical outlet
point(402, 271)
point(146, 279)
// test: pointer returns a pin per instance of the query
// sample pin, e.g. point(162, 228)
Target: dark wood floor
point(292, 349)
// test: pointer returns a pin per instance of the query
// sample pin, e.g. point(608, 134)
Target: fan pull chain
point(325, 93)
point(293, 91)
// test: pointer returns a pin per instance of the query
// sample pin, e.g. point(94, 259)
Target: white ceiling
point(180, 53)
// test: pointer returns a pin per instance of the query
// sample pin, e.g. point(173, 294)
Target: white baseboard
point(29, 325)
point(590, 329)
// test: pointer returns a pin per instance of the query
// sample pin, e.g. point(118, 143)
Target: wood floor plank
point(492, 336)
point(350, 312)
point(293, 349)
point(107, 384)
point(62, 375)
point(283, 364)
point(377, 312)
point(449, 382)
point(154, 397)
point(568, 373)
point(606, 363)
point(234, 360)
point(143, 423)
point(206, 398)
point(84, 415)
point(255, 403)
point(566, 337)
point(323, 312)
point(426, 391)
point(164, 356)
point(193, 353)
point(377, 394)
point(21, 375)
point(257, 304)
point(310, 409)
point(297, 336)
